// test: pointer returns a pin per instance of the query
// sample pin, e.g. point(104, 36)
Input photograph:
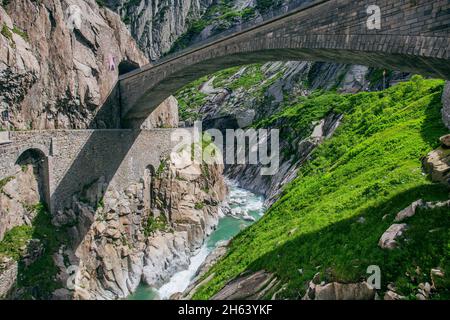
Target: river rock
point(116, 250)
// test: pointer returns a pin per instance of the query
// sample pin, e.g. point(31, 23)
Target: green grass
point(155, 224)
point(20, 32)
point(221, 14)
point(38, 280)
point(371, 168)
point(252, 80)
point(14, 241)
point(6, 32)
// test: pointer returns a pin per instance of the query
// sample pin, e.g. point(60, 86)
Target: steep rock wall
point(56, 62)
point(157, 24)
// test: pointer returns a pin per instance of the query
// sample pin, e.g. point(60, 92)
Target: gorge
point(93, 205)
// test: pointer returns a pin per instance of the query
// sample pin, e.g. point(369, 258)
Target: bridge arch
point(324, 30)
point(38, 158)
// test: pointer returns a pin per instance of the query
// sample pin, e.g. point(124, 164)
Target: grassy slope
point(370, 168)
point(37, 280)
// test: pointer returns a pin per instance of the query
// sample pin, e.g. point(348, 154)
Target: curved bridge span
point(408, 35)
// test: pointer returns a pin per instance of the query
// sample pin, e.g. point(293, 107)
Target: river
point(239, 200)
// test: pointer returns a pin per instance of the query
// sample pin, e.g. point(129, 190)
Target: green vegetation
point(222, 15)
point(155, 224)
point(14, 242)
point(370, 169)
point(6, 32)
point(101, 3)
point(163, 165)
point(20, 32)
point(37, 280)
point(190, 100)
point(4, 181)
point(199, 206)
point(251, 79)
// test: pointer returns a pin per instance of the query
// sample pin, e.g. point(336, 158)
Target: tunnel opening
point(127, 66)
point(39, 162)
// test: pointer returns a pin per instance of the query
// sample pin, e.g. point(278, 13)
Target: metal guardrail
point(286, 9)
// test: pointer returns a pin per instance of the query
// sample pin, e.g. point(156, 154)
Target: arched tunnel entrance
point(39, 162)
point(127, 66)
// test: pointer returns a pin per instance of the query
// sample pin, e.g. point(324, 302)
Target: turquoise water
point(228, 227)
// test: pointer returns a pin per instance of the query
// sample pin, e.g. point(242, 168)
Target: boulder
point(246, 287)
point(445, 140)
point(389, 238)
point(409, 211)
point(340, 291)
point(8, 276)
point(392, 295)
point(437, 164)
point(437, 278)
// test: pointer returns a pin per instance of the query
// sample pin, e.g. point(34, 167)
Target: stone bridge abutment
point(77, 158)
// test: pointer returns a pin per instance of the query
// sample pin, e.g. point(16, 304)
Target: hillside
point(331, 217)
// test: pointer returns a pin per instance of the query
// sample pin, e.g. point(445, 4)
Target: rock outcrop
point(157, 25)
point(59, 62)
point(389, 238)
point(18, 195)
point(165, 116)
point(248, 287)
point(8, 276)
point(437, 163)
point(446, 105)
point(340, 291)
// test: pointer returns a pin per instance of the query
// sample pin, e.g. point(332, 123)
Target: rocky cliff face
point(59, 62)
point(18, 194)
point(157, 24)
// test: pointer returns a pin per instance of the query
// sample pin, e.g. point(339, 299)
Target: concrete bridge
point(74, 159)
point(408, 35)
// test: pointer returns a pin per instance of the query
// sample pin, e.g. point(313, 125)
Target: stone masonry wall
point(77, 158)
point(446, 105)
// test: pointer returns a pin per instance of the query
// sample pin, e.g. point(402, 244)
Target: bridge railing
point(292, 6)
point(278, 12)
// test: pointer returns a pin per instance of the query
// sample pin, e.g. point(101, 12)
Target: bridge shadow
point(342, 251)
point(98, 161)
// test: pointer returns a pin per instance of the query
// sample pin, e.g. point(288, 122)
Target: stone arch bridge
point(408, 35)
point(75, 159)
